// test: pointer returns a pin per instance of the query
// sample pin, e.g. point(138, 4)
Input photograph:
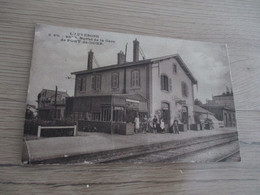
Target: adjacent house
point(225, 99)
point(161, 86)
point(51, 104)
point(222, 112)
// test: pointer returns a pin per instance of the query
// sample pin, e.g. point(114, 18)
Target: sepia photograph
point(106, 97)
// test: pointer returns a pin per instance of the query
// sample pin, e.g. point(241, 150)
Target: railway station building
point(162, 86)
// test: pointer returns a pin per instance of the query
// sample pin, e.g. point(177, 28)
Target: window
point(184, 87)
point(118, 114)
point(164, 83)
point(58, 113)
point(95, 116)
point(115, 80)
point(81, 84)
point(63, 99)
point(135, 78)
point(174, 68)
point(96, 82)
point(106, 113)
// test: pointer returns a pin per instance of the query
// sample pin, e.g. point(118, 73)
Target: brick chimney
point(90, 59)
point(120, 58)
point(136, 51)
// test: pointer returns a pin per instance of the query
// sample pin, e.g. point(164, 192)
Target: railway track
point(169, 151)
point(173, 154)
point(232, 155)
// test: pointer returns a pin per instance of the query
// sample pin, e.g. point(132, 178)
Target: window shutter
point(138, 78)
point(174, 69)
point(78, 84)
point(84, 84)
point(166, 83)
point(112, 81)
point(117, 80)
point(170, 84)
point(98, 82)
point(93, 82)
point(182, 89)
point(162, 82)
point(134, 78)
point(132, 75)
point(187, 90)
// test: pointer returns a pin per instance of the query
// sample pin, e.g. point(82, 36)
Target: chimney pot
point(120, 57)
point(136, 50)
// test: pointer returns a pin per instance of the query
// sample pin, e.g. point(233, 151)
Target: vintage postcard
point(105, 97)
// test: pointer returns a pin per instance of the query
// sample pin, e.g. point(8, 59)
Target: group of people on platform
point(155, 125)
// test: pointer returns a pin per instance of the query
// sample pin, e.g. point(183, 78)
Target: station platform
point(89, 146)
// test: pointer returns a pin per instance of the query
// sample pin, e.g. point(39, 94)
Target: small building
point(161, 86)
point(51, 104)
point(222, 113)
point(225, 99)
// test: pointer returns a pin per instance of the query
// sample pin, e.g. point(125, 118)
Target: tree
point(29, 114)
point(197, 102)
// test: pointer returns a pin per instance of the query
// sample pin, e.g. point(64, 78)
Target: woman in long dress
point(137, 123)
point(162, 125)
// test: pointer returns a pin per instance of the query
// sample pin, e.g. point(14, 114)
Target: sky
point(53, 59)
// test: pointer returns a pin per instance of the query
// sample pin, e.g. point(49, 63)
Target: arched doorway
point(166, 116)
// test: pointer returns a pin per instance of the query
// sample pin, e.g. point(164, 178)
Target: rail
point(225, 157)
